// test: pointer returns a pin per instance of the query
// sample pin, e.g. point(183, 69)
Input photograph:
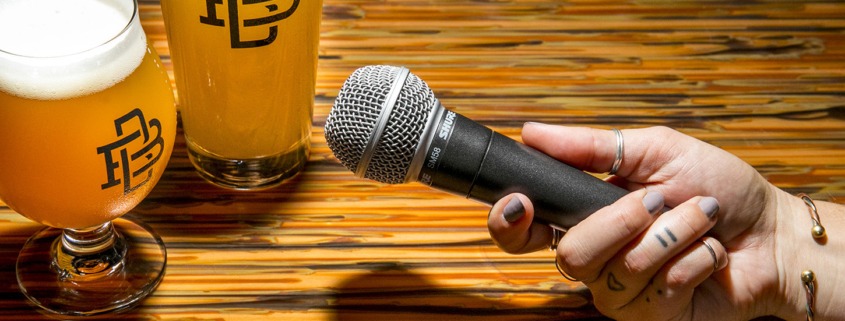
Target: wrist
point(792, 236)
point(796, 251)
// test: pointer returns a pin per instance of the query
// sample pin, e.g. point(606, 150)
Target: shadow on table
point(392, 292)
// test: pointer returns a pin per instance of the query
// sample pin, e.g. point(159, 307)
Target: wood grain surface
point(764, 80)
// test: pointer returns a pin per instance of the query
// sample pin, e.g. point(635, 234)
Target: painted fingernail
point(514, 210)
point(653, 202)
point(709, 206)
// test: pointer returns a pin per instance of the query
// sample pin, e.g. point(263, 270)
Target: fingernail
point(535, 124)
point(653, 202)
point(709, 206)
point(514, 210)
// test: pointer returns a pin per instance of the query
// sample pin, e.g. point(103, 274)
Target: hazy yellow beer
point(245, 74)
point(87, 123)
point(63, 132)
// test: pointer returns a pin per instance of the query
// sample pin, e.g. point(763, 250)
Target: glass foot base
point(248, 174)
point(113, 288)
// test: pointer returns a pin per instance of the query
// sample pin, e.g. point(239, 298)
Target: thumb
point(595, 150)
point(585, 148)
point(511, 226)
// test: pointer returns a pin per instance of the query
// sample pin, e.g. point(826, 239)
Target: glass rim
point(122, 31)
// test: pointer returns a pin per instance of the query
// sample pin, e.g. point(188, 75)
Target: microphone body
point(466, 158)
point(387, 125)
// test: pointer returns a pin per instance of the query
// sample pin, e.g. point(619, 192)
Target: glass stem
point(88, 253)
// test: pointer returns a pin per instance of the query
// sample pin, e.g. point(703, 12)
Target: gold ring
point(620, 150)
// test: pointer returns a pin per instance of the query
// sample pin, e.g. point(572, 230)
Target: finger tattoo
point(613, 284)
point(669, 234)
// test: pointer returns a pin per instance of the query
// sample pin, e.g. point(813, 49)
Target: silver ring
point(620, 150)
point(563, 274)
point(712, 253)
point(556, 236)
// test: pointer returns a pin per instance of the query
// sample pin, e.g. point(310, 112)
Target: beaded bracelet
point(808, 278)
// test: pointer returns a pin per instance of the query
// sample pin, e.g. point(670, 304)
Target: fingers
point(585, 248)
point(632, 269)
point(595, 149)
point(637, 263)
point(585, 148)
point(678, 279)
point(511, 226)
point(672, 288)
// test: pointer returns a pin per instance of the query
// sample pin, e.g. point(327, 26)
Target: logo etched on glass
point(235, 21)
point(125, 167)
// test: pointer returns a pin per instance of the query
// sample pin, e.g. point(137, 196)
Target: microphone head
point(364, 127)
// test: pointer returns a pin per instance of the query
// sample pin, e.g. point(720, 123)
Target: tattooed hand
point(661, 252)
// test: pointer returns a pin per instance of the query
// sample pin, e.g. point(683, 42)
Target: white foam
point(59, 49)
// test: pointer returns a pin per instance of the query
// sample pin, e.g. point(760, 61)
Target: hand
point(641, 264)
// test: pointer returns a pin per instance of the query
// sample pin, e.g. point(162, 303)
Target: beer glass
point(245, 75)
point(87, 123)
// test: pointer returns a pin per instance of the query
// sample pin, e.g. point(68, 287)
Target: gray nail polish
point(653, 202)
point(514, 210)
point(709, 206)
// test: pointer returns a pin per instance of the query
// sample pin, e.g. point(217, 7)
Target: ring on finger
point(620, 151)
point(563, 274)
point(556, 236)
point(712, 253)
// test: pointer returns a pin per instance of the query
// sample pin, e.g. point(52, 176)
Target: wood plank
point(764, 80)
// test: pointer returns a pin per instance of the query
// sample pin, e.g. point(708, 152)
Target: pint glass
point(245, 76)
point(87, 123)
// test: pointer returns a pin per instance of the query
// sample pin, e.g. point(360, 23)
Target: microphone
point(386, 125)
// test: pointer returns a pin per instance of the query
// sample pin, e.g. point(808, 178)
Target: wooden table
point(765, 81)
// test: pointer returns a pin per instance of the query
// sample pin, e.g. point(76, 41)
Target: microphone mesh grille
point(356, 111)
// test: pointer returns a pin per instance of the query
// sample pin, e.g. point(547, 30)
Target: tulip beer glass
point(245, 76)
point(87, 123)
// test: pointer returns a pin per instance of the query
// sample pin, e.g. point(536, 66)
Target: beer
point(87, 122)
point(245, 76)
point(85, 134)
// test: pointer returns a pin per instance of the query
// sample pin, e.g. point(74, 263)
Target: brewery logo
point(274, 15)
point(132, 169)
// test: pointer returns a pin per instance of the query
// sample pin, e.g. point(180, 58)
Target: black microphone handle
point(469, 159)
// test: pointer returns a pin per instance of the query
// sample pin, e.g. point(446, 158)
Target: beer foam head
point(58, 49)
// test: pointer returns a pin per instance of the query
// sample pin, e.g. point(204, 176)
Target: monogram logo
point(212, 19)
point(124, 167)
